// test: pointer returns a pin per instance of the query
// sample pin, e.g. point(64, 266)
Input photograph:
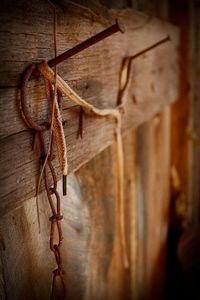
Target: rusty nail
point(80, 124)
point(151, 47)
point(64, 181)
point(89, 42)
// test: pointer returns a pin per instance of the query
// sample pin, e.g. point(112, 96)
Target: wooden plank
point(194, 126)
point(181, 165)
point(157, 206)
point(91, 249)
point(153, 198)
point(96, 80)
point(131, 226)
point(98, 183)
point(2, 281)
point(153, 85)
point(180, 110)
point(28, 270)
point(142, 178)
point(23, 41)
point(91, 258)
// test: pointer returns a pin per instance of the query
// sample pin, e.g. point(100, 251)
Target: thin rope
point(52, 116)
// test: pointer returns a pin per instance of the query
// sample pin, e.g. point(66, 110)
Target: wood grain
point(93, 74)
point(91, 251)
point(28, 271)
point(181, 121)
point(153, 201)
point(91, 247)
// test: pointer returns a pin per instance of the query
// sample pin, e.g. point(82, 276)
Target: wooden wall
point(194, 92)
point(92, 249)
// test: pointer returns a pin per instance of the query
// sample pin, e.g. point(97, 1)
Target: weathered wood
point(157, 204)
point(2, 281)
point(95, 80)
point(91, 247)
point(28, 269)
point(92, 259)
point(153, 192)
point(194, 124)
point(94, 74)
point(105, 263)
point(153, 200)
point(180, 111)
point(131, 214)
